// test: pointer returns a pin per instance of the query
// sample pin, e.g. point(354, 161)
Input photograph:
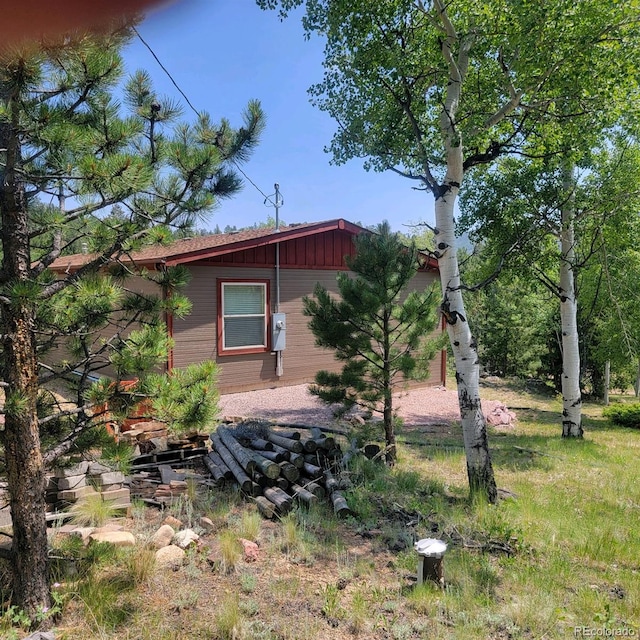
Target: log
point(261, 444)
point(274, 456)
point(302, 494)
point(292, 435)
point(308, 427)
point(289, 471)
point(322, 439)
point(214, 470)
point(287, 443)
point(281, 482)
point(268, 467)
point(312, 470)
point(279, 498)
point(313, 487)
point(217, 460)
point(309, 444)
point(296, 459)
point(238, 472)
point(237, 450)
point(265, 507)
point(340, 506)
point(330, 482)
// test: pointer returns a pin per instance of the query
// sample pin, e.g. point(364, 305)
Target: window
point(242, 316)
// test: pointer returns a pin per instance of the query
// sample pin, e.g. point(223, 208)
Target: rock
point(117, 538)
point(185, 538)
point(207, 524)
point(163, 536)
point(110, 478)
point(83, 532)
point(78, 469)
point(41, 635)
point(173, 522)
point(96, 468)
point(251, 550)
point(72, 482)
point(170, 557)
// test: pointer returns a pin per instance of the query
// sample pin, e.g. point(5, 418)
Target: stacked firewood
point(277, 467)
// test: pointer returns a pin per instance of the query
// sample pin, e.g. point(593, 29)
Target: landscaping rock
point(172, 522)
point(117, 538)
point(72, 482)
point(251, 550)
point(76, 470)
point(170, 557)
point(163, 536)
point(207, 524)
point(185, 538)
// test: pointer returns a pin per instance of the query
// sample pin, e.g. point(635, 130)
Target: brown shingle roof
point(200, 247)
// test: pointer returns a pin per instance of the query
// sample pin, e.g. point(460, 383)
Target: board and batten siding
point(195, 337)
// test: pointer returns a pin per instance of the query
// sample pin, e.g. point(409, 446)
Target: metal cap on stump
point(430, 560)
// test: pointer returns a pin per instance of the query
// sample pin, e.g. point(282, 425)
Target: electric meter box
point(279, 332)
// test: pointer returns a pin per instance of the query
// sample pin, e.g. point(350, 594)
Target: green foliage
point(186, 399)
point(626, 415)
point(376, 328)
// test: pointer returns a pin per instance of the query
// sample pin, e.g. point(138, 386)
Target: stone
point(96, 468)
point(111, 477)
point(170, 557)
point(173, 522)
point(207, 524)
point(163, 536)
point(251, 550)
point(78, 469)
point(185, 538)
point(117, 497)
point(72, 495)
point(117, 538)
point(72, 482)
point(83, 532)
point(112, 526)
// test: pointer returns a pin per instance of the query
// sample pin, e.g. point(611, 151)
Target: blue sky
point(222, 53)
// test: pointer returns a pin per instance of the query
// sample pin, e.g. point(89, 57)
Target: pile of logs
point(276, 467)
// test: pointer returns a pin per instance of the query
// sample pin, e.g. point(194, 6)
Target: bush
point(626, 415)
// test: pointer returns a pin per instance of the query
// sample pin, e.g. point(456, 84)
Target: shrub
point(626, 415)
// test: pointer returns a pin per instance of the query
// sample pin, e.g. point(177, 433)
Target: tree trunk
point(571, 396)
point(463, 344)
point(21, 438)
point(389, 430)
point(607, 382)
point(636, 386)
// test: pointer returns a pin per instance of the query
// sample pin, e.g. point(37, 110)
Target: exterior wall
point(60, 352)
point(195, 336)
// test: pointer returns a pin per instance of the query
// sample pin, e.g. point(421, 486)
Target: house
point(246, 289)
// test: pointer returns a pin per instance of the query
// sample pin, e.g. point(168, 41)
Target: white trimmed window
point(243, 316)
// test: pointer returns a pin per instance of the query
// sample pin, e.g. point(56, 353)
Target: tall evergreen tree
point(68, 155)
point(376, 328)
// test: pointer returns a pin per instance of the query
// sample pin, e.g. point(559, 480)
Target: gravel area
point(425, 406)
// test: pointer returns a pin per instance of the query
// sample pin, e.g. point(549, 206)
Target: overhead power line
point(184, 95)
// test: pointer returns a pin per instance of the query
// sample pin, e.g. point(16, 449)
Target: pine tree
point(376, 328)
point(69, 157)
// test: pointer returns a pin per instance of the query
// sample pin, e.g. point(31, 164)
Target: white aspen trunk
point(607, 382)
point(474, 426)
point(636, 386)
point(571, 396)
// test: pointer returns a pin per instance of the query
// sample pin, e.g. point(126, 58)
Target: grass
point(562, 552)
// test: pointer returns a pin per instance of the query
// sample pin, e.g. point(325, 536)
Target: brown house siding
point(195, 336)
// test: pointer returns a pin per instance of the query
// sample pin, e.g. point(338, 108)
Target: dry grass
point(563, 553)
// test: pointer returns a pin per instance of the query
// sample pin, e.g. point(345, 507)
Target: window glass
point(244, 315)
